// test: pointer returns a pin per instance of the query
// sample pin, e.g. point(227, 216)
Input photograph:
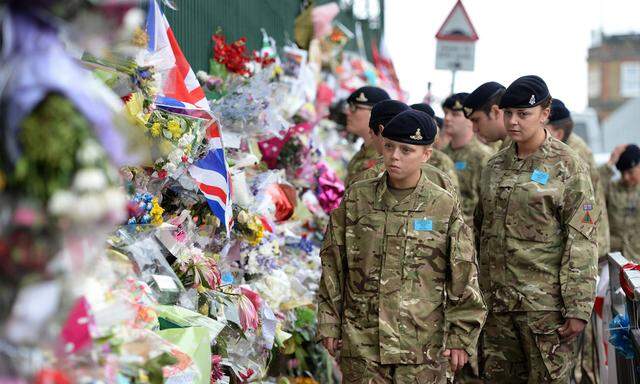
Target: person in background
point(438, 159)
point(623, 203)
point(359, 105)
point(468, 154)
point(536, 222)
point(399, 295)
point(482, 108)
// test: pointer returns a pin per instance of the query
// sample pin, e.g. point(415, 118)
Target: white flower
point(186, 139)
point(115, 202)
point(202, 76)
point(170, 168)
point(62, 202)
point(89, 208)
point(90, 153)
point(89, 179)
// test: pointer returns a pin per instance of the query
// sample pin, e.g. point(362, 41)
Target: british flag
point(181, 92)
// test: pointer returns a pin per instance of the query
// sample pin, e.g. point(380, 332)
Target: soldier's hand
point(332, 345)
point(571, 329)
point(615, 154)
point(457, 357)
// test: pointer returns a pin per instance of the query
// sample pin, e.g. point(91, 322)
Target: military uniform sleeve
point(578, 270)
point(465, 310)
point(606, 173)
point(333, 258)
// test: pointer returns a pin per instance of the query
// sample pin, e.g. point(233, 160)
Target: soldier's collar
point(384, 199)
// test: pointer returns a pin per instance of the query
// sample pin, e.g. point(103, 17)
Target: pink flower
point(255, 298)
point(212, 273)
point(216, 369)
point(247, 313)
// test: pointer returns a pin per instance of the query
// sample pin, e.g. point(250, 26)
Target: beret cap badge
point(362, 98)
point(457, 105)
point(468, 111)
point(532, 100)
point(417, 136)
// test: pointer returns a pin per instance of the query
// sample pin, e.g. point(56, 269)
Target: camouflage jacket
point(364, 159)
point(469, 161)
point(434, 175)
point(399, 279)
point(576, 143)
point(441, 161)
point(536, 221)
point(624, 216)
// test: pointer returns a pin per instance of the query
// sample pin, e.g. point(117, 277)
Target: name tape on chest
point(460, 165)
point(540, 177)
point(423, 225)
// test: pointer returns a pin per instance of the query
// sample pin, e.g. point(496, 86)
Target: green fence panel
point(196, 21)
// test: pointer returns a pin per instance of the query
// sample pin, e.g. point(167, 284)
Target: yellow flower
point(156, 212)
point(155, 129)
point(257, 231)
point(174, 127)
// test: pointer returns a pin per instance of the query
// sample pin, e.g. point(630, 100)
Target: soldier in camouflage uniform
point(481, 107)
point(469, 155)
point(399, 295)
point(381, 114)
point(438, 159)
point(358, 113)
point(538, 255)
point(623, 200)
point(560, 125)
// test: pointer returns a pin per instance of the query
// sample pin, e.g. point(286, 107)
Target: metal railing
point(624, 370)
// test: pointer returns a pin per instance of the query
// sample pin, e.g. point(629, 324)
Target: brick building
point(614, 72)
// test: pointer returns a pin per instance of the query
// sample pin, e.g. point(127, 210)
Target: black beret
point(368, 95)
point(525, 92)
point(558, 111)
point(455, 102)
point(411, 127)
point(629, 158)
point(439, 121)
point(384, 111)
point(479, 97)
point(424, 107)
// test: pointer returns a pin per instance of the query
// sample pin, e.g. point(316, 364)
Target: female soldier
point(399, 293)
point(536, 220)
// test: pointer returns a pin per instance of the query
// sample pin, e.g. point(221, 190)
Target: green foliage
point(50, 138)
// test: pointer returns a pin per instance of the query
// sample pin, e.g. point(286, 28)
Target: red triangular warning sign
point(457, 26)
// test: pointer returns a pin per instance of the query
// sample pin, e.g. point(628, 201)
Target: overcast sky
point(549, 38)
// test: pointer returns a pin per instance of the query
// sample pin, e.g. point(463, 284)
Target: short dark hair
point(566, 125)
point(493, 100)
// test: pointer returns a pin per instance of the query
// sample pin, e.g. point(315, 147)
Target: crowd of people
point(467, 247)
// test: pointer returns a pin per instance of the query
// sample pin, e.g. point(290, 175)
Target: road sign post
point(456, 41)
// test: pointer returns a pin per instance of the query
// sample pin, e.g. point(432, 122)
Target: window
point(595, 81)
point(630, 79)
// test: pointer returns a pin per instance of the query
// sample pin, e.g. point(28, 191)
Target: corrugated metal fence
point(196, 20)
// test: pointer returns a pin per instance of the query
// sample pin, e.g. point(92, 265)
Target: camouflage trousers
point(361, 371)
point(524, 347)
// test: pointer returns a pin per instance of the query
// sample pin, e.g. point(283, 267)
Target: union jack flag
point(181, 92)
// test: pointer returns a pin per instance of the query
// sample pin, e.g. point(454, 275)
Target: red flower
point(233, 55)
point(245, 376)
point(216, 369)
